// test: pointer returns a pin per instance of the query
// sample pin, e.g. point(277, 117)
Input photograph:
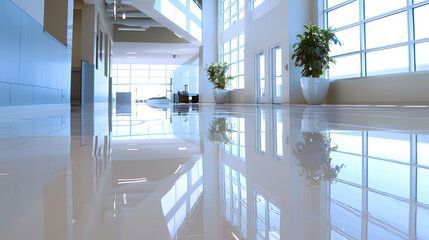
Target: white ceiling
point(153, 53)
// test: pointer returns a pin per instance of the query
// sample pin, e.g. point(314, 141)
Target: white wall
point(34, 8)
point(275, 22)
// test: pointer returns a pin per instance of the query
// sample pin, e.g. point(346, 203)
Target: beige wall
point(153, 34)
point(55, 19)
point(408, 88)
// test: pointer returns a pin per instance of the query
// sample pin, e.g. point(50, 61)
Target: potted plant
point(217, 73)
point(311, 53)
point(220, 131)
point(314, 158)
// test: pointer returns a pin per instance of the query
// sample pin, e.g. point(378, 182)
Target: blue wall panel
point(34, 67)
point(33, 52)
point(10, 21)
point(4, 94)
point(22, 95)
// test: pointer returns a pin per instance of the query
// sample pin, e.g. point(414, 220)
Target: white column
point(208, 50)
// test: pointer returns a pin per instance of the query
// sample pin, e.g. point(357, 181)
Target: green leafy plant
point(312, 50)
point(313, 154)
point(217, 73)
point(220, 131)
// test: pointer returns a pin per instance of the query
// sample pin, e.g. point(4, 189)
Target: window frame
point(236, 50)
point(363, 51)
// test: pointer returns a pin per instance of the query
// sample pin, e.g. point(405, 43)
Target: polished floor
point(229, 172)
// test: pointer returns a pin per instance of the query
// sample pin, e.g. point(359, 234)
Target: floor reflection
point(215, 172)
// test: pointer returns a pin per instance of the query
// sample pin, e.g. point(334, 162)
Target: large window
point(379, 36)
point(231, 11)
point(185, 13)
point(142, 80)
point(232, 52)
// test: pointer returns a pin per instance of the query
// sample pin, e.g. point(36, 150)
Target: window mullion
point(363, 71)
point(411, 46)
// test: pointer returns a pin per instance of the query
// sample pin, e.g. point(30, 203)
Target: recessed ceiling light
point(182, 148)
point(131, 57)
point(124, 16)
point(132, 53)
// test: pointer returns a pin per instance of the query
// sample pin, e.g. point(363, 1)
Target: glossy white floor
point(215, 172)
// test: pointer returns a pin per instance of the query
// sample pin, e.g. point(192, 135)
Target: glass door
point(261, 88)
point(276, 74)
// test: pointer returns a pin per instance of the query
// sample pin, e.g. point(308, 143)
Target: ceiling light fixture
point(124, 16)
point(182, 148)
point(131, 57)
point(124, 197)
point(132, 53)
point(132, 29)
point(178, 169)
point(114, 9)
point(131, 180)
point(234, 236)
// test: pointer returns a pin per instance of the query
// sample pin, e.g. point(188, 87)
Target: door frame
point(273, 77)
point(259, 99)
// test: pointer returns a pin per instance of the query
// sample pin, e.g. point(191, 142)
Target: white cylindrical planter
point(220, 95)
point(314, 89)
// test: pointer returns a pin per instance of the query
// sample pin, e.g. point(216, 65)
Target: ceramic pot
point(220, 95)
point(314, 89)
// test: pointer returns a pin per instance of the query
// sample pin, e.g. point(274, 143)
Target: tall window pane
point(345, 67)
point(377, 7)
point(394, 60)
point(422, 56)
point(387, 31)
point(344, 16)
point(350, 41)
point(422, 223)
point(421, 20)
point(423, 150)
point(332, 3)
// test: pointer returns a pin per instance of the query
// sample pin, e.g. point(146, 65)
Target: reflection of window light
point(237, 147)
point(391, 146)
point(235, 198)
point(267, 219)
point(180, 194)
point(262, 132)
point(387, 185)
point(279, 134)
point(257, 3)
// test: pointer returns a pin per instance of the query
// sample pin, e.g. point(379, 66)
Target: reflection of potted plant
point(312, 53)
point(217, 73)
point(313, 153)
point(220, 131)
